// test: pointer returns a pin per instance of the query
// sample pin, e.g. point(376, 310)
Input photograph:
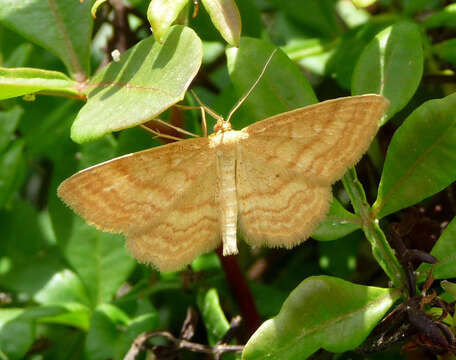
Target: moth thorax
point(222, 126)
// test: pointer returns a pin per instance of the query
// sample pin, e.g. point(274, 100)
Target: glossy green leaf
point(421, 157)
point(445, 251)
point(317, 315)
point(147, 80)
point(283, 87)
point(60, 26)
point(213, 316)
point(9, 120)
point(22, 81)
point(162, 14)
point(72, 314)
point(338, 223)
point(94, 255)
point(63, 287)
point(11, 163)
point(444, 17)
point(391, 65)
point(226, 18)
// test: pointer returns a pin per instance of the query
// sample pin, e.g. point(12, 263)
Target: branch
point(140, 345)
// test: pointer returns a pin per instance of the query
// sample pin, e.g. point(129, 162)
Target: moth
point(272, 180)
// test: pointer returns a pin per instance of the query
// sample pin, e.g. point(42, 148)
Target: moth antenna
point(203, 115)
point(211, 112)
point(178, 129)
point(158, 134)
point(242, 99)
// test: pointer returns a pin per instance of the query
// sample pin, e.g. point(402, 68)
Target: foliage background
point(70, 291)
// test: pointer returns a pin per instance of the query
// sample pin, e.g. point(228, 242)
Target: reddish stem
point(241, 291)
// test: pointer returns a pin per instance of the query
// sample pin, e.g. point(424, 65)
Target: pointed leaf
point(11, 165)
point(421, 157)
point(63, 287)
point(226, 18)
point(9, 120)
point(391, 65)
point(445, 251)
point(317, 315)
point(283, 87)
point(213, 316)
point(147, 80)
point(338, 223)
point(63, 27)
point(162, 14)
point(94, 255)
point(22, 81)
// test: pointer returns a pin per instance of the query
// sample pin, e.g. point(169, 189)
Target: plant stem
point(381, 249)
point(241, 291)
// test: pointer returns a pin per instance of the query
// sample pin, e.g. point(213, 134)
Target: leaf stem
point(381, 249)
point(241, 291)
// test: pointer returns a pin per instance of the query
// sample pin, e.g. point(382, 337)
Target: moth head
point(222, 126)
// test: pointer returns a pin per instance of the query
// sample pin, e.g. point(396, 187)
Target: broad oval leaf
point(21, 81)
point(317, 315)
point(226, 18)
point(421, 157)
point(338, 223)
point(63, 27)
point(147, 80)
point(283, 87)
point(161, 15)
point(445, 251)
point(391, 65)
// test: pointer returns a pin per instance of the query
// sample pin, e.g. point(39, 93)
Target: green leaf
point(22, 81)
point(363, 3)
point(63, 287)
point(338, 223)
point(317, 16)
point(226, 18)
point(446, 50)
point(445, 17)
point(317, 315)
point(147, 80)
point(16, 337)
point(60, 26)
point(100, 259)
point(283, 87)
point(421, 157)
point(17, 334)
point(162, 14)
point(72, 314)
point(213, 316)
point(136, 326)
point(11, 164)
point(391, 65)
point(9, 120)
point(19, 56)
point(445, 251)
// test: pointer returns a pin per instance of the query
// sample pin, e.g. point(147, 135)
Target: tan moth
point(271, 179)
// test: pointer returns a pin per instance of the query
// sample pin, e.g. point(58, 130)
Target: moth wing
point(277, 206)
point(319, 141)
point(155, 197)
point(288, 162)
